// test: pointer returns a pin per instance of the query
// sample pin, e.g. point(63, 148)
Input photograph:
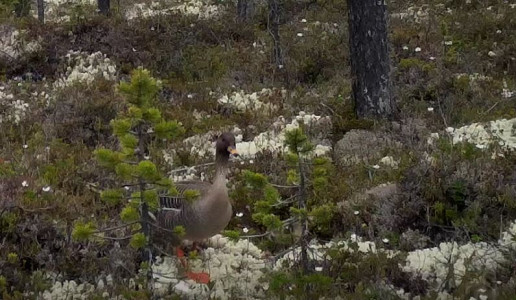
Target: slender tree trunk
point(103, 6)
point(144, 209)
point(304, 223)
point(273, 26)
point(41, 11)
point(370, 63)
point(245, 10)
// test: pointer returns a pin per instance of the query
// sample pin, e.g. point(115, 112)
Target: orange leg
point(200, 277)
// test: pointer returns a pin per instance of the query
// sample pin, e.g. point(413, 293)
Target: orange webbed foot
point(200, 277)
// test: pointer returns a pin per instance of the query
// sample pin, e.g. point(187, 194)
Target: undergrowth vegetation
point(326, 205)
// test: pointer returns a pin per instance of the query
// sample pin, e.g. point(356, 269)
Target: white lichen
point(85, 68)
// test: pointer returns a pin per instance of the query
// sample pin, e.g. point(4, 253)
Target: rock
point(362, 146)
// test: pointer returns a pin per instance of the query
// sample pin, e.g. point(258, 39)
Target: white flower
point(239, 214)
point(356, 213)
point(491, 54)
point(251, 161)
point(405, 47)
point(430, 109)
point(46, 188)
point(448, 43)
point(385, 240)
point(245, 230)
point(189, 96)
point(418, 49)
point(25, 183)
point(431, 58)
point(303, 20)
point(376, 167)
point(127, 188)
point(146, 157)
point(318, 269)
point(299, 34)
point(25, 146)
point(498, 31)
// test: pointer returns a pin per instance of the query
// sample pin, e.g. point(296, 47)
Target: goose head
point(225, 146)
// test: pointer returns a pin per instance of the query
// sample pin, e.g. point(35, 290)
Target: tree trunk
point(41, 11)
point(245, 10)
point(273, 26)
point(103, 7)
point(370, 63)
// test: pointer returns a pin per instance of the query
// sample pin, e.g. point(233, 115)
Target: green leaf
point(272, 222)
point(292, 159)
point(142, 88)
point(271, 194)
point(138, 240)
point(191, 195)
point(168, 130)
point(165, 182)
point(152, 115)
point(121, 126)
point(125, 171)
point(107, 158)
point(295, 140)
point(83, 231)
point(231, 234)
point(179, 230)
point(129, 214)
point(135, 113)
point(151, 198)
point(293, 177)
point(12, 258)
point(112, 197)
point(300, 213)
point(256, 180)
point(129, 141)
point(148, 171)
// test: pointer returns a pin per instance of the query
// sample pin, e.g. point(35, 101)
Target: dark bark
point(304, 222)
point(41, 11)
point(369, 55)
point(245, 10)
point(103, 6)
point(273, 26)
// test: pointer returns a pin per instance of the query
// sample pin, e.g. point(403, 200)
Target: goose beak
point(233, 151)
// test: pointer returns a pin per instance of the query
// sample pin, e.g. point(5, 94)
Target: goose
point(210, 212)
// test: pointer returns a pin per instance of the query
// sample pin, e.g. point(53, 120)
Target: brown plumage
point(210, 213)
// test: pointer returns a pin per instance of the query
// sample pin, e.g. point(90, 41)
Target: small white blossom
point(299, 34)
point(46, 188)
point(303, 20)
point(491, 54)
point(376, 167)
point(25, 146)
point(25, 183)
point(418, 49)
point(430, 109)
point(356, 213)
point(448, 43)
point(405, 48)
point(245, 230)
point(385, 240)
point(239, 214)
point(318, 269)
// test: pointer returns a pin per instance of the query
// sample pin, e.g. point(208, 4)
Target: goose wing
point(175, 209)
